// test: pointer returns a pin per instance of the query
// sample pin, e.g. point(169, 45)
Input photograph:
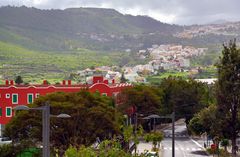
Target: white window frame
point(8, 95)
point(11, 111)
point(104, 94)
point(115, 94)
point(37, 95)
point(12, 98)
point(28, 97)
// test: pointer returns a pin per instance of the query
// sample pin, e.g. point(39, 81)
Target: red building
point(12, 94)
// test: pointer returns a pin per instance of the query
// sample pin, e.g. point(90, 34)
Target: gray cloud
point(170, 11)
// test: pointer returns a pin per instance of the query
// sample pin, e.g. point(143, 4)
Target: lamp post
point(136, 116)
point(45, 123)
point(126, 116)
point(173, 134)
point(172, 116)
point(154, 116)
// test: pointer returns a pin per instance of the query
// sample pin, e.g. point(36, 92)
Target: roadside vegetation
point(225, 110)
point(205, 108)
point(96, 117)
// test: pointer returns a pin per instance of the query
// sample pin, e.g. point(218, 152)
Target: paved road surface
point(184, 145)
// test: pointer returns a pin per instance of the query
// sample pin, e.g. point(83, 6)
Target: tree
point(6, 150)
point(145, 99)
point(228, 93)
point(18, 80)
point(225, 143)
point(206, 121)
point(81, 152)
point(195, 126)
point(130, 134)
point(123, 79)
point(185, 97)
point(107, 148)
point(92, 116)
point(155, 138)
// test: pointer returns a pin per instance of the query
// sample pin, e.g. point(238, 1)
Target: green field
point(207, 72)
point(157, 78)
point(34, 66)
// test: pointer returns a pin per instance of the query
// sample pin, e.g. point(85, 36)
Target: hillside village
point(230, 28)
point(162, 58)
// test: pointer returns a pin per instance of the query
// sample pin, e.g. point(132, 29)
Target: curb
point(199, 145)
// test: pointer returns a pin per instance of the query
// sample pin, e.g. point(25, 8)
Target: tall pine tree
point(228, 93)
point(18, 80)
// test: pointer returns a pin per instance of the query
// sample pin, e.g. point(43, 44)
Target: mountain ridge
point(101, 29)
point(80, 26)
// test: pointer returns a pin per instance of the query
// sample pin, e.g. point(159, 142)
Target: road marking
point(178, 136)
point(199, 145)
point(182, 149)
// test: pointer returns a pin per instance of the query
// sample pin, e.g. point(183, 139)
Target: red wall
point(24, 90)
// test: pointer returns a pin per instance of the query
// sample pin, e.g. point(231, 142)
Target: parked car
point(151, 154)
point(5, 140)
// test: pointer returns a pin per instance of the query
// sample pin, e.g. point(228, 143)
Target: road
point(184, 145)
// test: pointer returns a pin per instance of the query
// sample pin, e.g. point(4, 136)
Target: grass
point(207, 72)
point(34, 66)
point(157, 78)
point(220, 153)
point(29, 152)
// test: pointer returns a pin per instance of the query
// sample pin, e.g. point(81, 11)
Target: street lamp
point(154, 116)
point(126, 116)
point(172, 116)
point(136, 120)
point(46, 124)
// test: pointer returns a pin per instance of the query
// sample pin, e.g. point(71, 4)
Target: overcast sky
point(182, 12)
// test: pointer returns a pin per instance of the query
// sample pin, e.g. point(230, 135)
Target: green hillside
point(50, 44)
point(73, 28)
point(96, 29)
point(38, 65)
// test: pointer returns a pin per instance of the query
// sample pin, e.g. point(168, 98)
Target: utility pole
point(45, 124)
point(172, 116)
point(46, 130)
point(173, 134)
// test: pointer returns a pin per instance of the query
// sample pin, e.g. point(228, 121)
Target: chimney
point(69, 82)
point(64, 82)
point(11, 82)
point(7, 82)
point(105, 81)
point(97, 79)
point(45, 82)
point(113, 81)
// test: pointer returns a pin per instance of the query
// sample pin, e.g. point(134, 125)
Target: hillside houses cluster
point(163, 57)
point(230, 28)
point(170, 57)
point(130, 74)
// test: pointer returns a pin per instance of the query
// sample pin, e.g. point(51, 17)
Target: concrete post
point(173, 134)
point(46, 130)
